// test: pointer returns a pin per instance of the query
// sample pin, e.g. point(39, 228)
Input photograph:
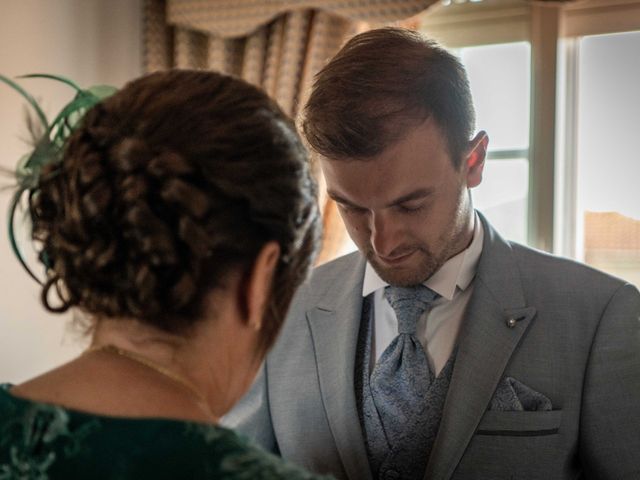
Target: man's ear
point(474, 162)
point(257, 284)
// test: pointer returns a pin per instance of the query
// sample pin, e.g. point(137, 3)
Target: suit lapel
point(334, 326)
point(486, 342)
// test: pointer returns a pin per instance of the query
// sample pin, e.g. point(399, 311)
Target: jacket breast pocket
point(519, 424)
point(515, 446)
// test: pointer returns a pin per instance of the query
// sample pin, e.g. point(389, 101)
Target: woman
point(181, 217)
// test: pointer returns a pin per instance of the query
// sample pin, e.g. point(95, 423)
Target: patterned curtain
point(274, 44)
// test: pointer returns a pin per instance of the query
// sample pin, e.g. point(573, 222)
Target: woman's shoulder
point(63, 443)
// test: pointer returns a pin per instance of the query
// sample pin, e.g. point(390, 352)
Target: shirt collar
point(457, 272)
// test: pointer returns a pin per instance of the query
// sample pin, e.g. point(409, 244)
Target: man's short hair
point(379, 84)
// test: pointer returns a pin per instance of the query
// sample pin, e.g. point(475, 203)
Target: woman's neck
point(133, 336)
point(218, 357)
point(178, 358)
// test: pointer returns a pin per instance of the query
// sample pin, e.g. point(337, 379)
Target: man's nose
point(384, 234)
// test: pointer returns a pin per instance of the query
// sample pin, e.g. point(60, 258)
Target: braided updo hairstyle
point(166, 186)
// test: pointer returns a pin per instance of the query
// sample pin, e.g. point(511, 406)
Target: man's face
point(408, 209)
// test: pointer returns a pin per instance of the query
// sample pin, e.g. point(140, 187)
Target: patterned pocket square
point(514, 396)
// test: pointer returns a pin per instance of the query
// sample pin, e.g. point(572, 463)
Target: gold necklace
point(198, 397)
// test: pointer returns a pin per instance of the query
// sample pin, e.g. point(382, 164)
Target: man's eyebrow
point(415, 195)
point(337, 198)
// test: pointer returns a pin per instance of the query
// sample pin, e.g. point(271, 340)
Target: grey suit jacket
point(576, 340)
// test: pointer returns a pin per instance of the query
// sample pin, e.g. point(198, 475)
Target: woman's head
point(164, 189)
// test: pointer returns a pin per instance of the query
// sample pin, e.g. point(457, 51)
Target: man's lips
point(395, 260)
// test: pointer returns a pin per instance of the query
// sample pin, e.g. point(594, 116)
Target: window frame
point(553, 30)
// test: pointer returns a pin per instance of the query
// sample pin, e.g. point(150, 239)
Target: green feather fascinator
point(49, 147)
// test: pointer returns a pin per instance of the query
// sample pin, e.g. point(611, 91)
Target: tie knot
point(409, 303)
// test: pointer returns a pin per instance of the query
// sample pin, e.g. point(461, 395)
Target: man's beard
point(425, 263)
point(423, 266)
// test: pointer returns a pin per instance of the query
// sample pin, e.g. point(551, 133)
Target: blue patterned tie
point(401, 378)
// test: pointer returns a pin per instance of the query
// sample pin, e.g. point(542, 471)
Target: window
point(580, 165)
point(499, 76)
point(603, 227)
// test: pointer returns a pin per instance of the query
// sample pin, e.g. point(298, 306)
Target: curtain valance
point(239, 18)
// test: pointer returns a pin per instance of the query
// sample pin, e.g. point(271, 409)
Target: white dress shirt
point(437, 328)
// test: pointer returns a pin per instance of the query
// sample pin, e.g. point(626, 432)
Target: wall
point(92, 42)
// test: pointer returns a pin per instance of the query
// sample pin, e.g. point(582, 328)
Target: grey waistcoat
point(409, 459)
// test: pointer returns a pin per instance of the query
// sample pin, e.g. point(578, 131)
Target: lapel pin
point(512, 321)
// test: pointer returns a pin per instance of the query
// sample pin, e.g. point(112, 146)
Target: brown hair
point(163, 188)
point(381, 82)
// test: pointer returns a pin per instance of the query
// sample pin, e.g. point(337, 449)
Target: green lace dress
point(41, 441)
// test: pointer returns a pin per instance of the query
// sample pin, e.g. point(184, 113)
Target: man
point(439, 350)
